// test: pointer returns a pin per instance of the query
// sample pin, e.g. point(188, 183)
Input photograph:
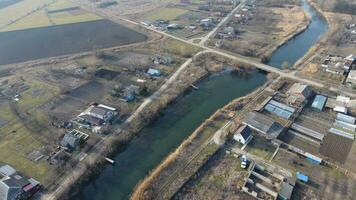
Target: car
point(243, 161)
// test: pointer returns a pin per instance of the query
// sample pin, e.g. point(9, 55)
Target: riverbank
point(262, 29)
point(265, 58)
point(178, 167)
point(196, 71)
point(313, 50)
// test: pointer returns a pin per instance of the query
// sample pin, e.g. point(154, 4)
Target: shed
point(345, 118)
point(302, 177)
point(243, 134)
point(286, 190)
point(340, 109)
point(319, 102)
point(300, 90)
point(313, 159)
point(7, 170)
point(342, 99)
point(154, 72)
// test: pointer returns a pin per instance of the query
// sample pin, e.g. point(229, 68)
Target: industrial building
point(263, 124)
point(319, 102)
point(280, 109)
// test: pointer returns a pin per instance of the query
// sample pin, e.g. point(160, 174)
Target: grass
point(67, 18)
point(61, 4)
point(180, 48)
point(40, 18)
point(29, 98)
point(36, 20)
point(260, 147)
point(167, 14)
point(19, 9)
point(15, 144)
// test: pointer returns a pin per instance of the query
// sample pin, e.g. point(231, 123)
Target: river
point(295, 48)
point(180, 119)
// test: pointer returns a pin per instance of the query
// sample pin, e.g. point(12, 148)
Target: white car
point(243, 161)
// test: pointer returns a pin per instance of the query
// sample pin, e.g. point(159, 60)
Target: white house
point(243, 134)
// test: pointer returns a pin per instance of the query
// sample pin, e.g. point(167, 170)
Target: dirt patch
point(90, 91)
point(106, 74)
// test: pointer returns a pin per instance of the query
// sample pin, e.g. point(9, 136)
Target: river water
point(180, 119)
point(295, 49)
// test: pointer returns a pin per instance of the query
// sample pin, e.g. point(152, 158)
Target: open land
point(259, 29)
point(39, 100)
point(51, 94)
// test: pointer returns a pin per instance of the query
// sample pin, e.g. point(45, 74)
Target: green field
point(260, 147)
point(24, 134)
point(41, 17)
point(167, 14)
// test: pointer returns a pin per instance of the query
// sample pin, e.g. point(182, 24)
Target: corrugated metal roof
point(282, 106)
point(345, 125)
point(340, 109)
point(319, 102)
point(345, 118)
point(7, 170)
point(342, 133)
point(263, 123)
point(278, 111)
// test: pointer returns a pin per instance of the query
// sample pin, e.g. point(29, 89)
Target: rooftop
point(263, 124)
point(319, 102)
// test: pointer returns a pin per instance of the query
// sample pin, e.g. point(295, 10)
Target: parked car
point(243, 161)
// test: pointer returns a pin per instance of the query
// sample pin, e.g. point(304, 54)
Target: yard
point(260, 147)
point(325, 182)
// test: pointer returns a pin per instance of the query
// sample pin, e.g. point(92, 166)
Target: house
point(351, 78)
point(173, 26)
point(154, 72)
point(100, 112)
point(130, 92)
point(299, 90)
point(319, 102)
point(96, 115)
point(350, 63)
point(263, 124)
point(338, 68)
point(206, 22)
point(337, 64)
point(165, 60)
point(243, 134)
point(14, 186)
point(70, 141)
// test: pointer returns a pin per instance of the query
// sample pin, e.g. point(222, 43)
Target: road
point(108, 14)
point(222, 22)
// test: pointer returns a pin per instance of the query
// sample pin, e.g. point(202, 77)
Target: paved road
point(211, 33)
point(79, 170)
point(108, 14)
